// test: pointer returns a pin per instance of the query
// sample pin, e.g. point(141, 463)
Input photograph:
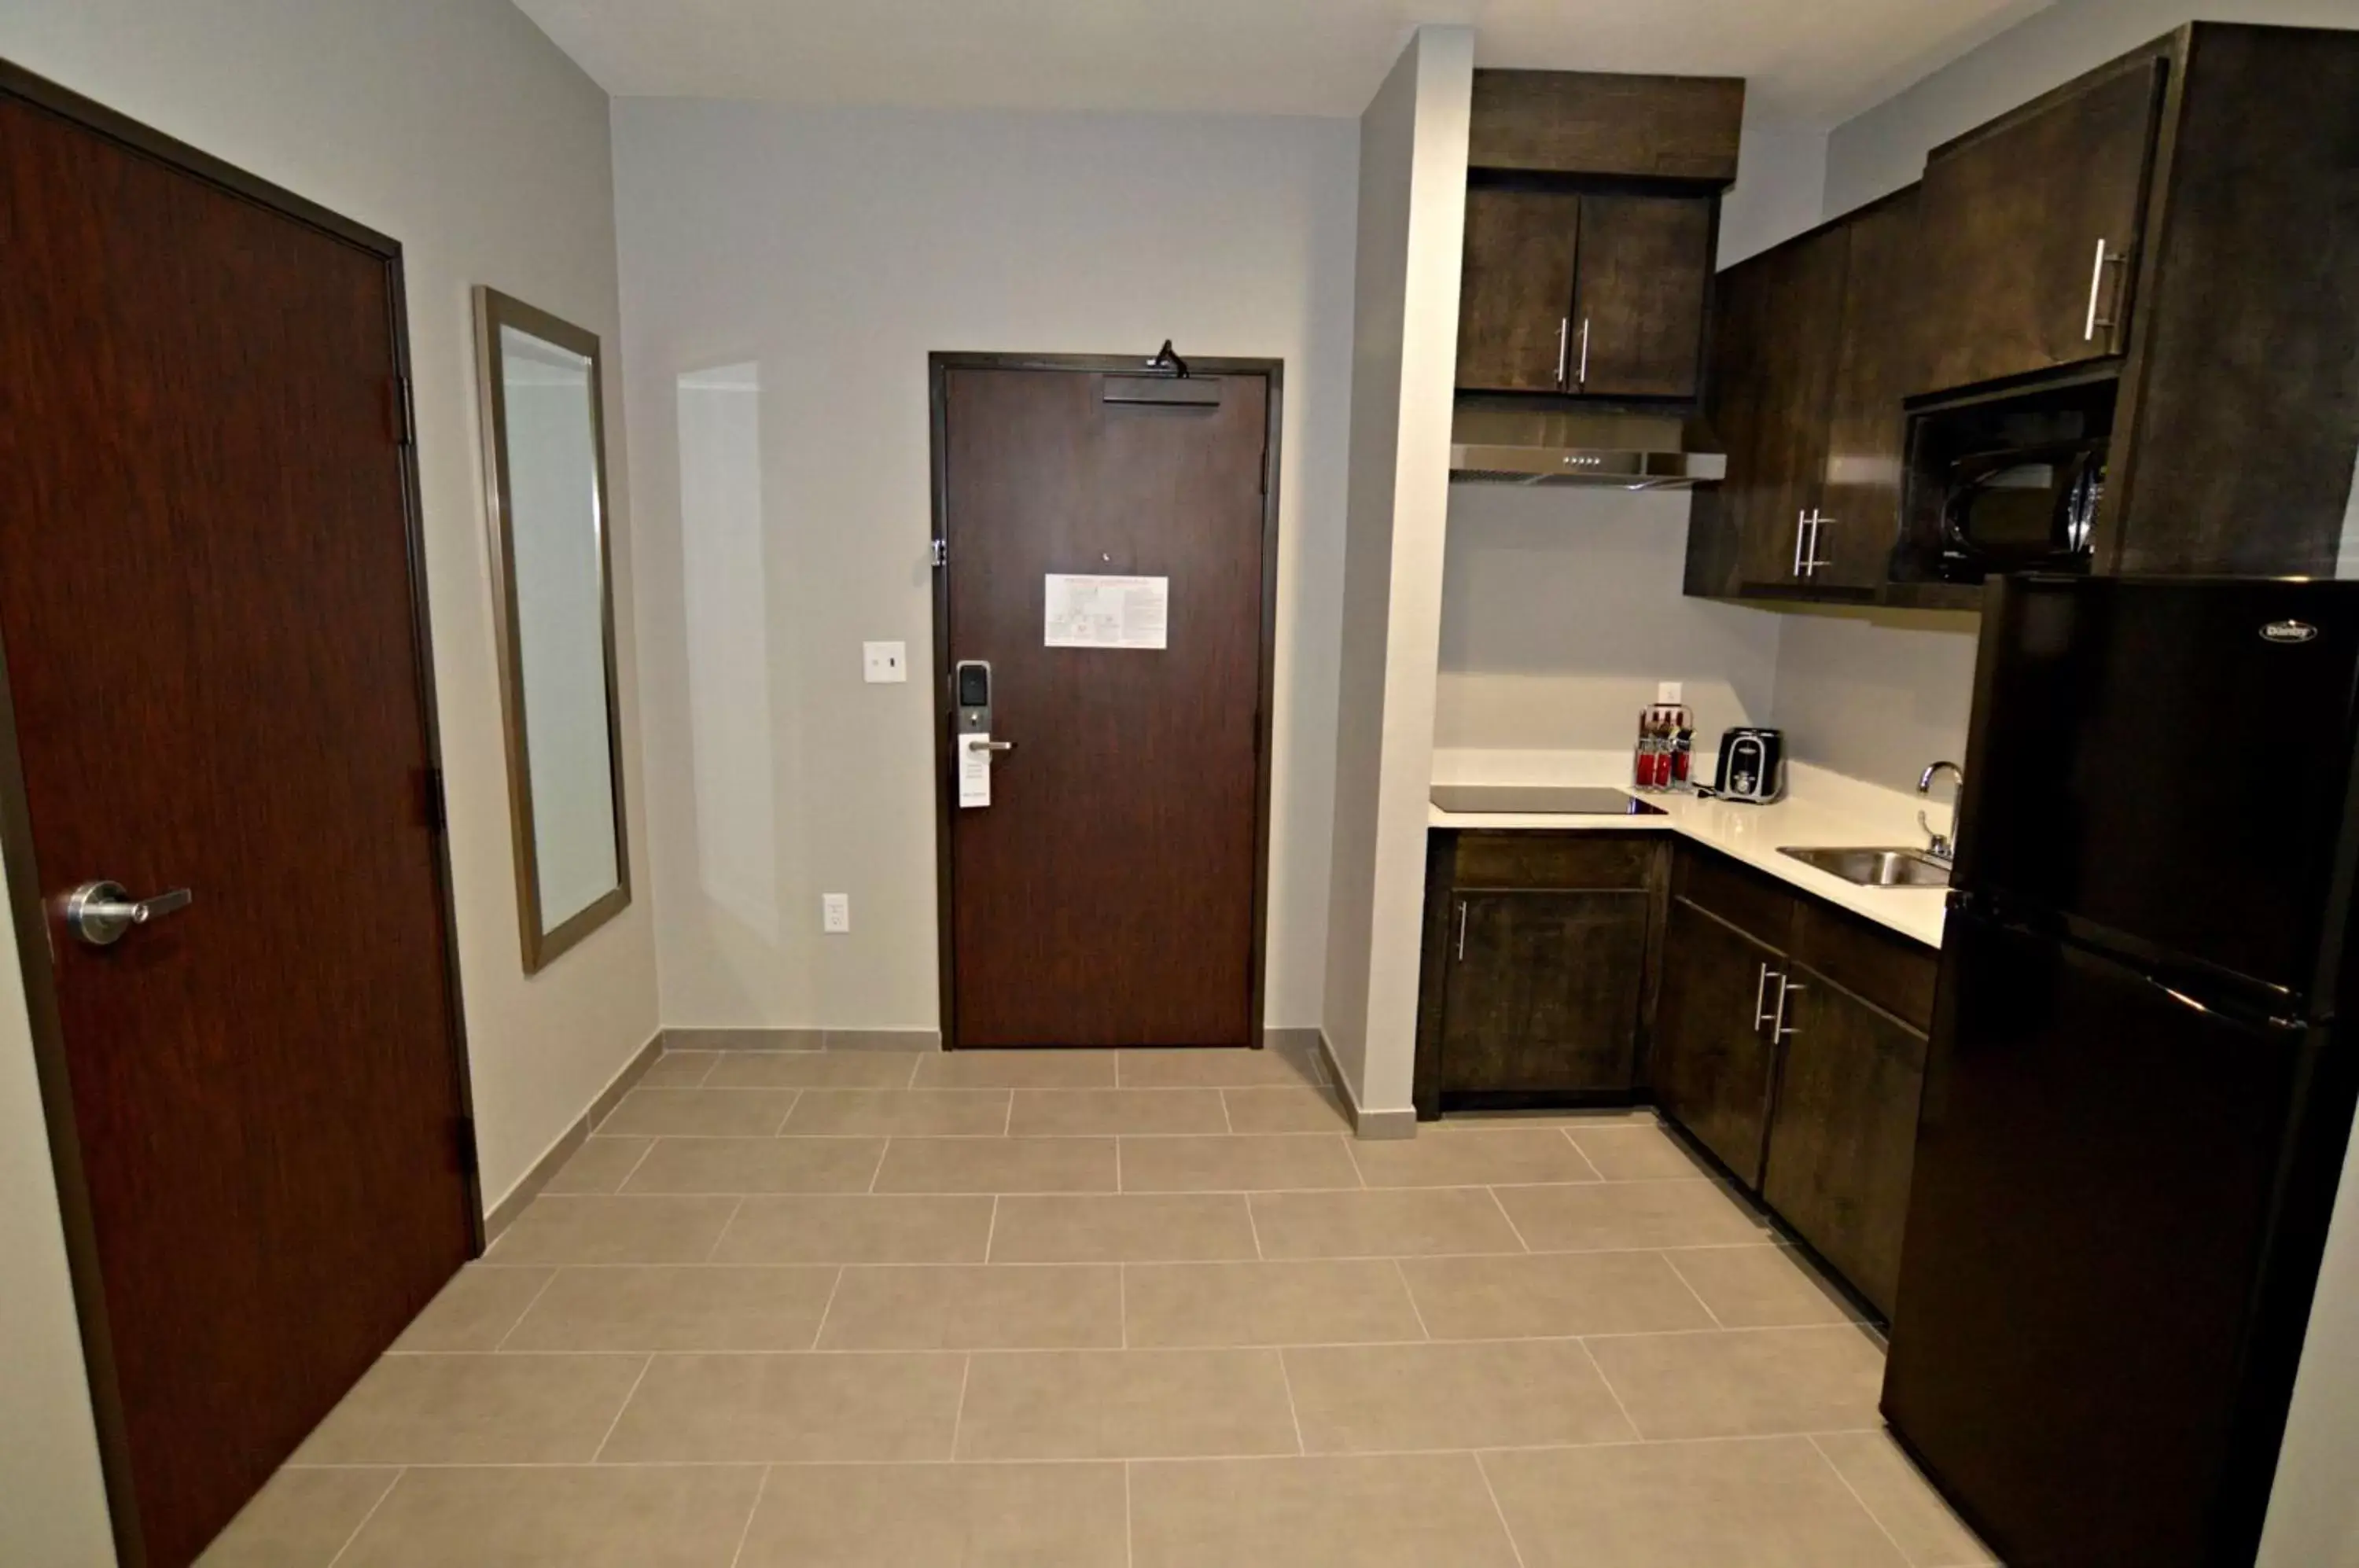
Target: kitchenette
point(1933, 917)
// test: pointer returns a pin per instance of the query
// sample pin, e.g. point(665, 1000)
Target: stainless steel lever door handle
point(100, 912)
point(991, 745)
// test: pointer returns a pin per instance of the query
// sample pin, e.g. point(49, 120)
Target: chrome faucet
point(1942, 847)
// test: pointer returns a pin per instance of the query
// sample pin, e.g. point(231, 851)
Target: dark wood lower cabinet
point(1544, 990)
point(1842, 1139)
point(1539, 966)
point(1712, 1062)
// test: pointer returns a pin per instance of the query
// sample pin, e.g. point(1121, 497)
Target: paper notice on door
point(1107, 612)
point(974, 770)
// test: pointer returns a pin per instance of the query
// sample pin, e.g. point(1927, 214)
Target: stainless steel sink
point(1878, 867)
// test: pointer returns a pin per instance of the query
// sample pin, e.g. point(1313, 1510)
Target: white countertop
point(1820, 809)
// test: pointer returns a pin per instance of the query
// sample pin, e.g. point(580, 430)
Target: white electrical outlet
point(835, 912)
point(1666, 692)
point(884, 663)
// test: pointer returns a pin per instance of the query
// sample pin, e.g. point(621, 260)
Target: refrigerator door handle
point(2267, 1020)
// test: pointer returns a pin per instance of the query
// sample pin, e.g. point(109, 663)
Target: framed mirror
point(545, 477)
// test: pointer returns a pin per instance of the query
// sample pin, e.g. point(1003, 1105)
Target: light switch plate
point(884, 663)
point(835, 912)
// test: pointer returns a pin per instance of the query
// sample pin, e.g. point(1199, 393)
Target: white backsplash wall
point(1561, 609)
point(1875, 696)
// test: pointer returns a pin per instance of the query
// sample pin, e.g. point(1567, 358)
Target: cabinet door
point(1516, 289)
point(1780, 320)
point(1710, 1060)
point(1859, 495)
point(1542, 991)
point(1644, 273)
point(2031, 230)
point(1842, 1139)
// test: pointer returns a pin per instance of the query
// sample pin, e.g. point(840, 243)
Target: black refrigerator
point(2138, 1092)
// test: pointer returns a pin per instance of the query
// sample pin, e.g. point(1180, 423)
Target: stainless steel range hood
point(1628, 451)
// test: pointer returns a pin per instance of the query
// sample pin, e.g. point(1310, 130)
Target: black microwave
point(2022, 508)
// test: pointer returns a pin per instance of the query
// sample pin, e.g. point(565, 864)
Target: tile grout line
point(599, 1452)
point(536, 1295)
point(916, 1062)
point(711, 1061)
point(1401, 1274)
point(1227, 1121)
point(1724, 1438)
point(1357, 1174)
point(1513, 1228)
point(1877, 1520)
point(1818, 1328)
point(991, 1233)
point(1599, 1367)
point(882, 1149)
point(966, 1375)
point(1493, 1491)
point(634, 1170)
point(836, 1284)
point(794, 1098)
point(734, 1210)
point(747, 1533)
point(1302, 1449)
point(1122, 1301)
point(1129, 1549)
point(373, 1508)
point(1673, 1264)
point(1253, 1226)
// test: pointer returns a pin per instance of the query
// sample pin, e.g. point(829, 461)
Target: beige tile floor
point(1122, 1310)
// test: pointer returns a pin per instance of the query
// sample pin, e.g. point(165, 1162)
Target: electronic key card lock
point(971, 746)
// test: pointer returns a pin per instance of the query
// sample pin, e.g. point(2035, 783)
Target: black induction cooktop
point(1541, 800)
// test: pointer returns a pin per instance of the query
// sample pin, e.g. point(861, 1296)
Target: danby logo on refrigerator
point(2289, 631)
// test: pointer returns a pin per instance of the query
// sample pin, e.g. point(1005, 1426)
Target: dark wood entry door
point(218, 683)
point(1110, 892)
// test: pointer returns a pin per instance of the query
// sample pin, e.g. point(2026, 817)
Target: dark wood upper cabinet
point(1776, 354)
point(1590, 122)
point(1863, 434)
point(2166, 239)
point(1516, 289)
point(1642, 277)
point(2031, 229)
point(1713, 1059)
point(1543, 991)
point(1842, 1139)
point(1584, 294)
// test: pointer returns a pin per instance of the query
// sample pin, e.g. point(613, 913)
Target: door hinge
point(405, 418)
point(438, 812)
point(463, 1144)
point(942, 552)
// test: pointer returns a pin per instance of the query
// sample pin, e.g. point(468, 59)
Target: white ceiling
point(1820, 59)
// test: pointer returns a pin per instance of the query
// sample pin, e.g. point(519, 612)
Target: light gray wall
point(455, 126)
point(832, 250)
point(1561, 611)
point(1876, 694)
point(1404, 357)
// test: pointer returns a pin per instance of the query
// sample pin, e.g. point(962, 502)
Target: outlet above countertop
point(1821, 810)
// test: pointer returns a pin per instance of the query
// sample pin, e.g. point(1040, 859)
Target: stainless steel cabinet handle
point(1461, 930)
point(100, 912)
point(1816, 523)
point(1780, 1031)
point(1761, 999)
point(1563, 332)
point(2096, 291)
point(1582, 380)
point(1802, 533)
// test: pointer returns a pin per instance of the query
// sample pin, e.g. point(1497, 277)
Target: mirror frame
point(494, 311)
